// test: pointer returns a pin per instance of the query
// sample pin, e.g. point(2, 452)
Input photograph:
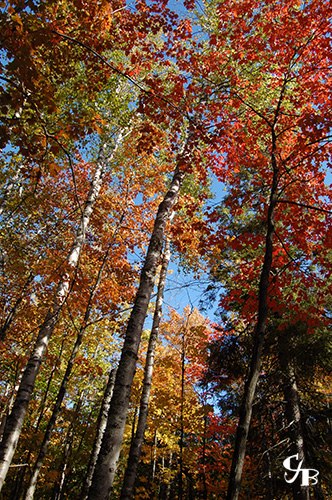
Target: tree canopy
point(131, 135)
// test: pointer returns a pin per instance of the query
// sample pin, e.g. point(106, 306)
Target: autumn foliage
point(106, 109)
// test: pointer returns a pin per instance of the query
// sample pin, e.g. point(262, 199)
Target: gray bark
point(107, 461)
point(18, 487)
point(59, 486)
point(154, 457)
point(63, 387)
point(16, 418)
point(169, 483)
point(136, 445)
point(101, 426)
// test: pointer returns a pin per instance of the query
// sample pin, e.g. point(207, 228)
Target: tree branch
point(304, 205)
point(151, 93)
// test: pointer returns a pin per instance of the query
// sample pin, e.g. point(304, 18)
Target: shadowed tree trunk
point(205, 491)
point(293, 416)
point(256, 359)
point(58, 489)
point(154, 458)
point(18, 488)
point(101, 426)
point(169, 484)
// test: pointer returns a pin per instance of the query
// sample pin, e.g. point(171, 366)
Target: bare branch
point(304, 205)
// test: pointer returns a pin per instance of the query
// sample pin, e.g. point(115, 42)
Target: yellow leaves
point(17, 20)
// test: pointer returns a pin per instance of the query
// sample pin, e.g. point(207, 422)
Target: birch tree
point(15, 420)
point(136, 444)
point(110, 450)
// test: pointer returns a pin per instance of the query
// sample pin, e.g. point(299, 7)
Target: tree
point(274, 140)
point(110, 450)
point(245, 99)
point(15, 420)
point(136, 445)
point(32, 26)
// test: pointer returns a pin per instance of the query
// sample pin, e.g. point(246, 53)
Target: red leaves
point(184, 29)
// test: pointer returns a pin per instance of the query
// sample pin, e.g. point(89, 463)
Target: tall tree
point(266, 83)
point(16, 418)
point(136, 444)
point(110, 450)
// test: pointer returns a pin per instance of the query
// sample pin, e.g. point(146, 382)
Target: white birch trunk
point(63, 387)
point(101, 426)
point(110, 450)
point(136, 445)
point(16, 418)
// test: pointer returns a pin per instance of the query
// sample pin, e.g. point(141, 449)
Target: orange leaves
point(184, 29)
point(150, 138)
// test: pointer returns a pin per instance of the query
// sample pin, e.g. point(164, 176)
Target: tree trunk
point(169, 483)
point(11, 315)
point(59, 486)
point(267, 456)
point(256, 359)
point(7, 410)
point(16, 418)
point(107, 461)
point(154, 459)
point(10, 185)
point(63, 387)
point(101, 426)
point(205, 490)
point(136, 445)
point(183, 358)
point(293, 418)
point(18, 488)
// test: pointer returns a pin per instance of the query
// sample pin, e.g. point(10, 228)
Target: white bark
point(136, 445)
point(16, 418)
point(10, 186)
point(107, 461)
point(101, 426)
